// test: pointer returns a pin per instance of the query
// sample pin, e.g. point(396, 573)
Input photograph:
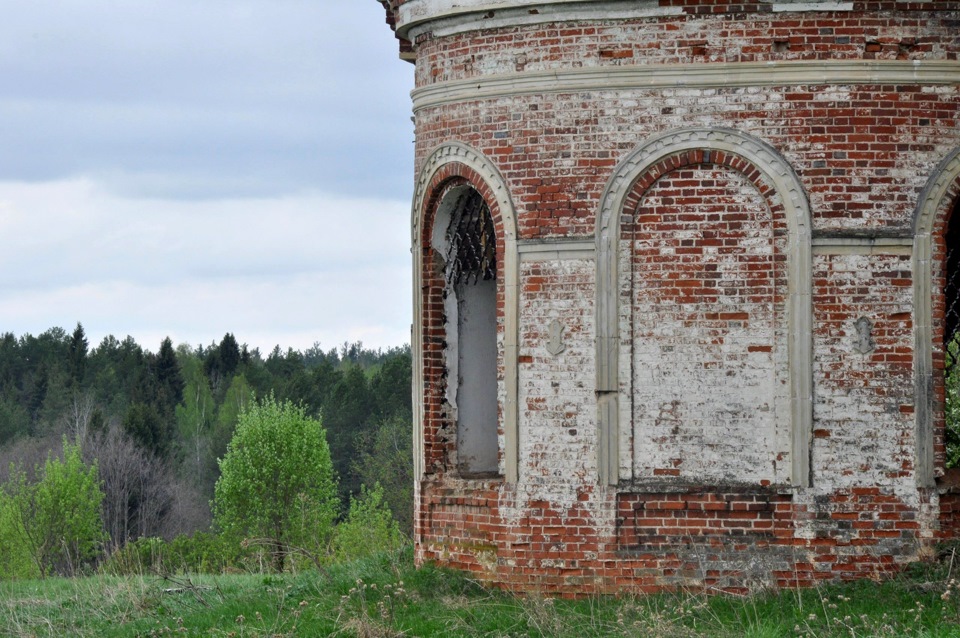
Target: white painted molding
point(821, 5)
point(456, 152)
point(690, 76)
point(932, 200)
point(556, 249)
point(862, 245)
point(778, 172)
point(448, 17)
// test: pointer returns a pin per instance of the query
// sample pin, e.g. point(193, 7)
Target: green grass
point(386, 596)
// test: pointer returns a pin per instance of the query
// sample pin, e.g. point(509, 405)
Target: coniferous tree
point(229, 353)
point(169, 378)
point(145, 426)
point(345, 415)
point(77, 361)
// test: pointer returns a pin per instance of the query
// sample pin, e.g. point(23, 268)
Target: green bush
point(199, 553)
point(142, 556)
point(16, 560)
point(369, 527)
point(276, 489)
point(204, 553)
point(952, 401)
point(58, 518)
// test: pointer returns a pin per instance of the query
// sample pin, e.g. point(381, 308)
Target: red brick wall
point(862, 154)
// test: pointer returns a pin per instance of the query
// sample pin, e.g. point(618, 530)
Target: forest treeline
point(156, 423)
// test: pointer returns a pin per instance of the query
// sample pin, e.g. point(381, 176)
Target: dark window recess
point(472, 253)
point(951, 296)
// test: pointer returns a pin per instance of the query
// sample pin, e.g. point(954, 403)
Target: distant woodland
point(156, 423)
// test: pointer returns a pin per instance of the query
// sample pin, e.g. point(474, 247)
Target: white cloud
point(285, 271)
point(190, 168)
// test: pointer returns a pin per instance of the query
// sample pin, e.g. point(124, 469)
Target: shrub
point(199, 553)
point(17, 561)
point(952, 400)
point(58, 518)
point(276, 485)
point(368, 528)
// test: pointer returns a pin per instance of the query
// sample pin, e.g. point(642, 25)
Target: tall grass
point(384, 596)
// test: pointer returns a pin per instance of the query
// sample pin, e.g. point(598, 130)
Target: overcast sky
point(186, 169)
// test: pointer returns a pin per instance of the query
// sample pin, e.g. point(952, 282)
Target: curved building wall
point(718, 338)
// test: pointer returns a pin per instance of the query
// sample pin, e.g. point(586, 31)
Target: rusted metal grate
point(951, 319)
point(472, 255)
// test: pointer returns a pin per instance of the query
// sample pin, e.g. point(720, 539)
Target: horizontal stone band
point(691, 76)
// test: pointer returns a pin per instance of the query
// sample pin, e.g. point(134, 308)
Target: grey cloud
point(190, 100)
point(188, 168)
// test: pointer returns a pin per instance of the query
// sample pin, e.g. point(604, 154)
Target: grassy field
point(388, 597)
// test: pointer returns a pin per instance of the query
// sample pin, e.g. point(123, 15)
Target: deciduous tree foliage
point(58, 518)
point(276, 481)
point(368, 528)
point(384, 456)
point(952, 402)
point(17, 561)
point(158, 423)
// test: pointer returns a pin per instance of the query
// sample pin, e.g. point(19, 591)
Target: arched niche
point(776, 181)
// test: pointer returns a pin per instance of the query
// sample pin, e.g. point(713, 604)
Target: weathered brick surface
point(557, 151)
point(855, 391)
point(706, 310)
point(556, 390)
point(706, 497)
point(741, 37)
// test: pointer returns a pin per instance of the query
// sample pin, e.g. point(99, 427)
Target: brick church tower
point(684, 275)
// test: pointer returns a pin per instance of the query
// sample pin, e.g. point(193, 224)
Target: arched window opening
point(951, 337)
point(468, 248)
point(951, 292)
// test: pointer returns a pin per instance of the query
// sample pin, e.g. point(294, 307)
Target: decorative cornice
point(555, 249)
point(782, 7)
point(867, 245)
point(447, 17)
point(695, 76)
